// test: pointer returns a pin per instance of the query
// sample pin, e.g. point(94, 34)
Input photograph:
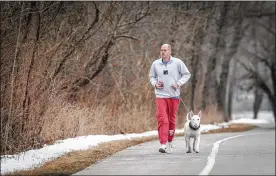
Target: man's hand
point(175, 86)
point(159, 85)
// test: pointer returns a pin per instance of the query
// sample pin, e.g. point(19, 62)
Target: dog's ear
point(200, 114)
point(191, 114)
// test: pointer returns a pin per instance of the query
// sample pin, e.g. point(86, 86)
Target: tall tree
point(214, 29)
point(264, 55)
point(229, 51)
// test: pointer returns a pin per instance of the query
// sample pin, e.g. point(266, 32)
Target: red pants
point(166, 109)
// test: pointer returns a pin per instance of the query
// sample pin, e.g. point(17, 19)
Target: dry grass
point(78, 160)
point(211, 115)
point(66, 121)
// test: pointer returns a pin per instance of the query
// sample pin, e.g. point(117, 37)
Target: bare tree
point(123, 21)
point(229, 51)
point(264, 55)
point(258, 94)
point(217, 22)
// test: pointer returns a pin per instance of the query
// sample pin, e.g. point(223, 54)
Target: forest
point(76, 68)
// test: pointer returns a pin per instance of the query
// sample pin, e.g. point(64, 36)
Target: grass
point(75, 161)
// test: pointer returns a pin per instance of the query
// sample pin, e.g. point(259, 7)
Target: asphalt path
point(240, 153)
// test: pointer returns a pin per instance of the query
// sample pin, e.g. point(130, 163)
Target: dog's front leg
point(188, 146)
point(196, 144)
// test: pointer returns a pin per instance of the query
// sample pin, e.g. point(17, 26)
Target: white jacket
point(175, 71)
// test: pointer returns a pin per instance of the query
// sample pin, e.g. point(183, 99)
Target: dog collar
point(194, 127)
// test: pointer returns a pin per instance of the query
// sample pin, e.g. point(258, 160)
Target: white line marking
point(212, 157)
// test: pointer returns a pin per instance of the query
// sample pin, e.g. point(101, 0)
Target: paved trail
point(242, 153)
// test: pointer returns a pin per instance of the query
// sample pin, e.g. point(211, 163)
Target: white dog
point(192, 130)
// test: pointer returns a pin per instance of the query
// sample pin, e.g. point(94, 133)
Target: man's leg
point(173, 108)
point(162, 118)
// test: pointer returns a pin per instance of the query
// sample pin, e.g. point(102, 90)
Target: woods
point(76, 68)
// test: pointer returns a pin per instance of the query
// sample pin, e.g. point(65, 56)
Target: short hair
point(169, 46)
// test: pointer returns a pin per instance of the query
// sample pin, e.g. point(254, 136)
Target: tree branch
point(126, 36)
point(259, 81)
point(255, 56)
point(267, 28)
point(137, 19)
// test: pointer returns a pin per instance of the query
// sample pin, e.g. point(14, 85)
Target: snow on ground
point(265, 119)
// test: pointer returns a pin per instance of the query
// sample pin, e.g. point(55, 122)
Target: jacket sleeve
point(152, 75)
point(184, 72)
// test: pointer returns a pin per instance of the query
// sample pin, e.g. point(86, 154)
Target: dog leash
point(180, 96)
point(182, 101)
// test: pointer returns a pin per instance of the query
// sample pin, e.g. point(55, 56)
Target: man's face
point(165, 52)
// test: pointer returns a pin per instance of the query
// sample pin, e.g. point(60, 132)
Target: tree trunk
point(10, 113)
point(257, 102)
point(273, 103)
point(33, 37)
point(228, 55)
point(197, 42)
point(271, 97)
point(230, 88)
point(215, 30)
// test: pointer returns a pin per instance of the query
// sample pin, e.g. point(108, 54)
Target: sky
point(35, 158)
